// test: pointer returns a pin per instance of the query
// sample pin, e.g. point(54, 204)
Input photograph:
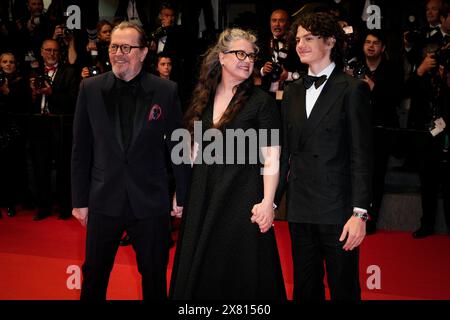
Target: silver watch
point(362, 215)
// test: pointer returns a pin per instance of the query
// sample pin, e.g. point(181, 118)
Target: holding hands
point(263, 214)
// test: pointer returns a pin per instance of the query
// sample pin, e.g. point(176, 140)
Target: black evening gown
point(220, 253)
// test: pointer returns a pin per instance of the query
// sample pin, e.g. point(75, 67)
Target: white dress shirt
point(312, 94)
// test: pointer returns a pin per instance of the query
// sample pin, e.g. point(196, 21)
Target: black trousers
point(314, 244)
point(150, 241)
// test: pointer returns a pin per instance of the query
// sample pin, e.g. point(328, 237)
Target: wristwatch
point(364, 216)
point(295, 75)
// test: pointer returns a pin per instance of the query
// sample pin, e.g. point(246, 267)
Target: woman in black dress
point(227, 248)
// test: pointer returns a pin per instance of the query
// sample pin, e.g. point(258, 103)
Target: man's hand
point(427, 64)
point(267, 68)
point(369, 82)
point(91, 46)
point(81, 214)
point(439, 126)
point(355, 228)
point(284, 74)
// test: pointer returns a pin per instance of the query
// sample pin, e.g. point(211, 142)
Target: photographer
point(14, 104)
point(384, 81)
point(429, 114)
point(54, 93)
point(66, 41)
point(33, 28)
point(98, 60)
point(278, 62)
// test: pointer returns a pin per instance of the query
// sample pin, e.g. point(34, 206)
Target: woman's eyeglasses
point(241, 55)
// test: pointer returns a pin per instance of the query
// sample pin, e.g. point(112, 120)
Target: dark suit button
point(126, 161)
point(315, 156)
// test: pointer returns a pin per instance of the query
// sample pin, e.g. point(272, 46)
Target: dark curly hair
point(326, 26)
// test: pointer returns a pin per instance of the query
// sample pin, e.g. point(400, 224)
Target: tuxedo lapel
point(298, 109)
point(333, 89)
point(143, 103)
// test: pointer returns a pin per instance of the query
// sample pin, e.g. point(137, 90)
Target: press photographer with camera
point(429, 115)
point(97, 61)
point(54, 93)
point(278, 61)
point(384, 80)
point(66, 40)
point(168, 39)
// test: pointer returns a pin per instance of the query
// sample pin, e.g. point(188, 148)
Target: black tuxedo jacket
point(103, 174)
point(326, 158)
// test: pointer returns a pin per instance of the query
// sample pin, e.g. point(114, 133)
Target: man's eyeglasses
point(241, 55)
point(125, 48)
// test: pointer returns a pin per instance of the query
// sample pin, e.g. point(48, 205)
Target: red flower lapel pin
point(155, 113)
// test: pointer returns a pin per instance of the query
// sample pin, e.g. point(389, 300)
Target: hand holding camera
point(41, 84)
point(427, 64)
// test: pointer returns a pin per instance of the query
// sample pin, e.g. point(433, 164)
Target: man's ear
point(331, 41)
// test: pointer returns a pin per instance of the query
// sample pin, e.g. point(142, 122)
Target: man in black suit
point(54, 93)
point(325, 162)
point(123, 124)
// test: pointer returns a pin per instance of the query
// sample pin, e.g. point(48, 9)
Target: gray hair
point(130, 25)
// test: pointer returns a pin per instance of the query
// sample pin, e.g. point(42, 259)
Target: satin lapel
point(333, 89)
point(296, 115)
point(299, 101)
point(143, 104)
point(111, 110)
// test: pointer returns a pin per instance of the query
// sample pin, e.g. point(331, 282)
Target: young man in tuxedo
point(325, 164)
point(123, 124)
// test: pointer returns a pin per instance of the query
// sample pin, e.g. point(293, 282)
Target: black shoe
point(11, 212)
point(41, 215)
point(126, 241)
point(422, 233)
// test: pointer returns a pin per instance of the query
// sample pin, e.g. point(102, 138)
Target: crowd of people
point(100, 114)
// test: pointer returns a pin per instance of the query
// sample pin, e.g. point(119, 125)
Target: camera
point(2, 78)
point(414, 35)
point(40, 79)
point(359, 69)
point(36, 20)
point(442, 57)
point(276, 71)
point(93, 71)
point(277, 67)
point(158, 33)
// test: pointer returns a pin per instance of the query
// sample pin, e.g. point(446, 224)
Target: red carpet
point(35, 257)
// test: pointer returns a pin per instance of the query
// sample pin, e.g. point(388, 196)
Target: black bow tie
point(309, 80)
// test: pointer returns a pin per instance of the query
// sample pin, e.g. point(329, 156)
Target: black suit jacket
point(326, 158)
point(103, 174)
